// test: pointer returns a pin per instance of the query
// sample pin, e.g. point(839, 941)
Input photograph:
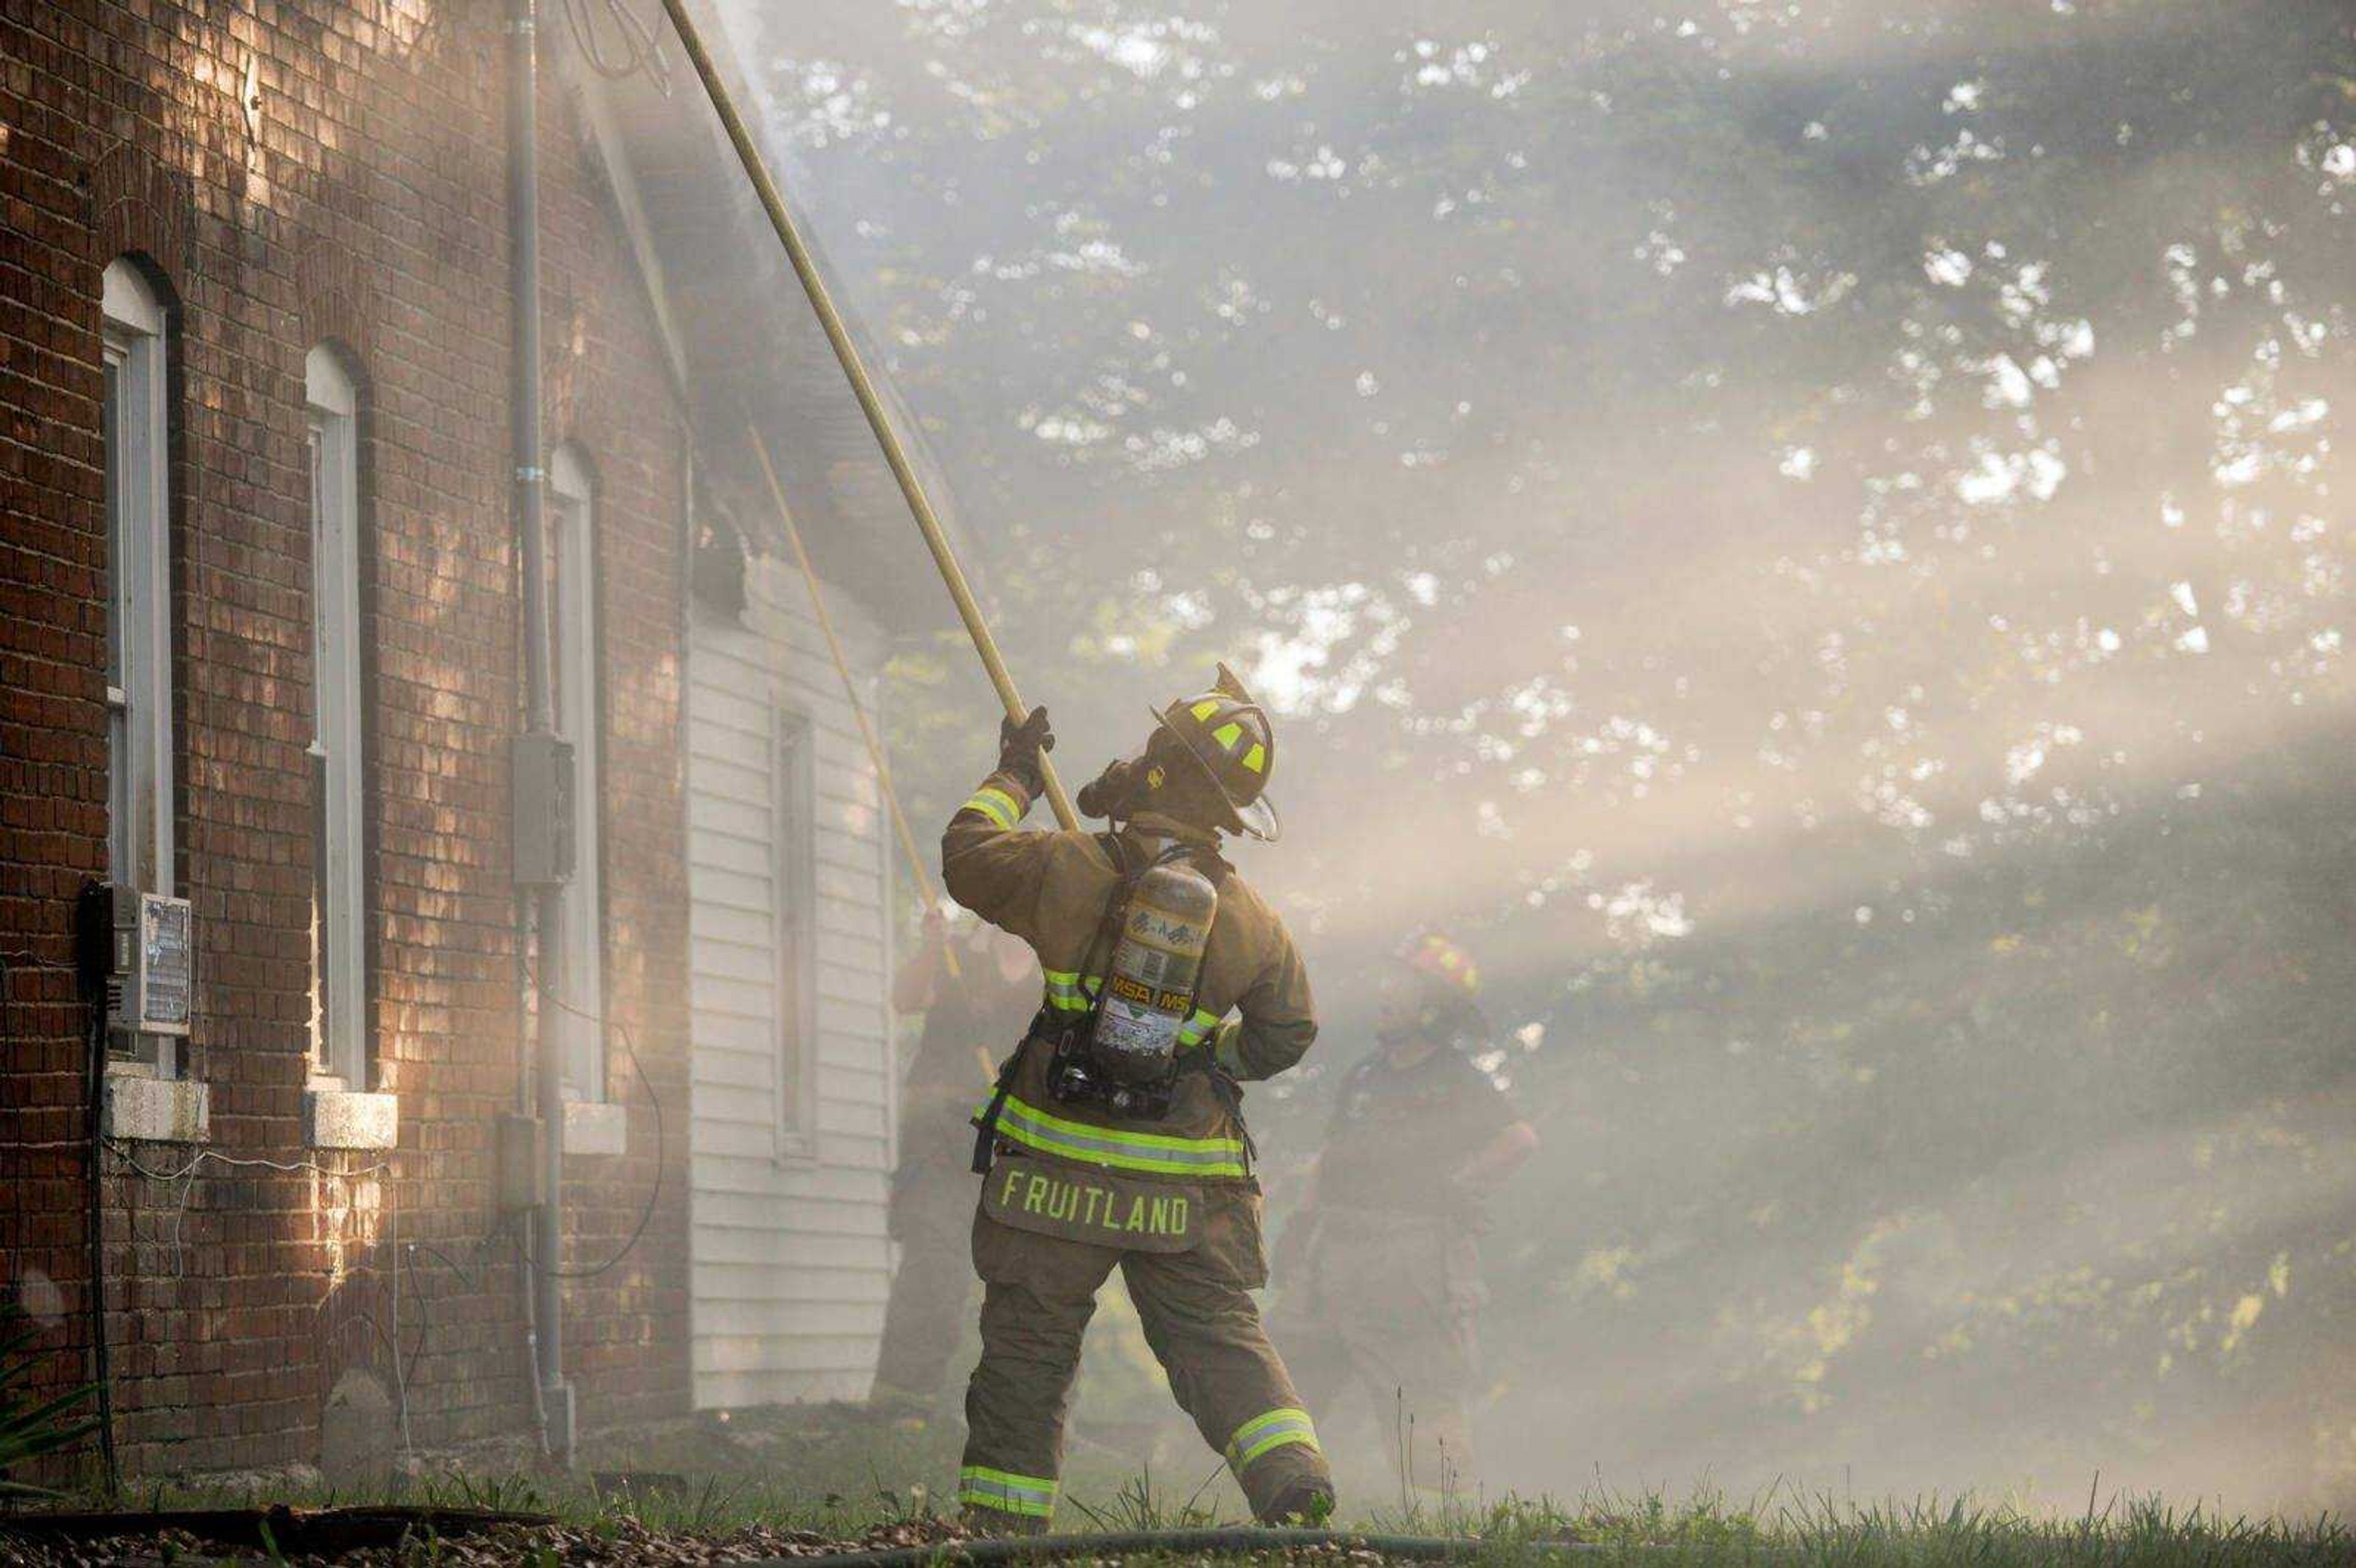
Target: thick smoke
point(1809, 536)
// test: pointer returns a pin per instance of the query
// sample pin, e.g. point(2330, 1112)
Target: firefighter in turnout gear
point(1101, 1153)
point(974, 1010)
point(1379, 1267)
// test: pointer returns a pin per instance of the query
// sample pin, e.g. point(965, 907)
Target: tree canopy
point(1802, 533)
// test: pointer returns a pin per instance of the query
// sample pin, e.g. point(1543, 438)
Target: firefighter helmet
point(1434, 994)
point(1434, 954)
point(1229, 736)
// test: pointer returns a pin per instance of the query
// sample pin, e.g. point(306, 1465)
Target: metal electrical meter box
point(152, 985)
point(543, 806)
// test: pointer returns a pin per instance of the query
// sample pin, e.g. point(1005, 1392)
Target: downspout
point(546, 1285)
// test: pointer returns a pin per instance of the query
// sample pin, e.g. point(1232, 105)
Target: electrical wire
point(404, 1366)
point(102, 1368)
point(185, 1175)
point(654, 1102)
point(645, 1214)
point(10, 961)
point(403, 1363)
point(407, 1259)
point(122, 1147)
point(91, 992)
point(642, 49)
point(400, 1380)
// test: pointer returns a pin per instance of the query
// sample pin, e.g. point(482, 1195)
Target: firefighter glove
point(1020, 747)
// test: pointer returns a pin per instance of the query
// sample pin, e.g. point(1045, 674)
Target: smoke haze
point(1810, 537)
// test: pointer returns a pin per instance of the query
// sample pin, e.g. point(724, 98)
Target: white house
point(793, 1112)
point(794, 1097)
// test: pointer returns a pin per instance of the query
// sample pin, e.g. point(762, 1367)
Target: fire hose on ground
point(1228, 1540)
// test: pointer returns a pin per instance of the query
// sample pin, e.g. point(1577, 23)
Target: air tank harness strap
point(1206, 1060)
point(985, 1134)
point(1050, 1019)
point(1231, 1095)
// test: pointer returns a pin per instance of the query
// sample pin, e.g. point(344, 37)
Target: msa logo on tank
point(1156, 968)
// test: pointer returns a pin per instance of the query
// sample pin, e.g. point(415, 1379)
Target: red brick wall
point(369, 212)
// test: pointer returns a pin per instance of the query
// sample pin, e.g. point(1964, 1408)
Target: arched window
point(138, 570)
point(576, 948)
point(137, 436)
point(339, 879)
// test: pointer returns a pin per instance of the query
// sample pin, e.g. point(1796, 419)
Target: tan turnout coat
point(1253, 1007)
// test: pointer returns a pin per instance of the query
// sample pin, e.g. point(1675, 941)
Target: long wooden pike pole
point(864, 387)
point(916, 871)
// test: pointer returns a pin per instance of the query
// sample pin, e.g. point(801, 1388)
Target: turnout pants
point(930, 1218)
point(1389, 1303)
point(1039, 1291)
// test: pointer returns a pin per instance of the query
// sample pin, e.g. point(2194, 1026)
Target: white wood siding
point(791, 1264)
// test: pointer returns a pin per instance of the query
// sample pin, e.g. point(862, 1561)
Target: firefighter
point(975, 1009)
point(1090, 1171)
point(1380, 1267)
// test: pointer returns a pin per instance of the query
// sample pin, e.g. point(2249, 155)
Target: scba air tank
point(1156, 969)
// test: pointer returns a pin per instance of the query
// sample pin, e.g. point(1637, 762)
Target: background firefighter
point(1078, 1188)
point(971, 1019)
point(1380, 1268)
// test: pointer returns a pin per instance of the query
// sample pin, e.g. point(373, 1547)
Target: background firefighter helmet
point(1230, 734)
point(1433, 994)
point(1434, 954)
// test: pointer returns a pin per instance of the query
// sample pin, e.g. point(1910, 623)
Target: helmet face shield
point(1228, 736)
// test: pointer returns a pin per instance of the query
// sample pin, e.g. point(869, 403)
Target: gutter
point(544, 1304)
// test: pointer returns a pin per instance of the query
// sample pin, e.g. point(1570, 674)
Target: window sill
point(595, 1128)
point(337, 1117)
point(144, 1109)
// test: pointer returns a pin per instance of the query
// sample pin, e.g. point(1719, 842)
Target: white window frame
point(138, 506)
point(338, 1018)
point(794, 924)
point(576, 951)
point(140, 850)
point(887, 923)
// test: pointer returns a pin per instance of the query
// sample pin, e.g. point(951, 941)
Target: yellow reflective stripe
point(996, 805)
point(1151, 1140)
point(990, 807)
point(1273, 1430)
point(1067, 991)
point(1161, 1153)
point(1228, 1050)
point(1031, 1495)
point(1198, 1027)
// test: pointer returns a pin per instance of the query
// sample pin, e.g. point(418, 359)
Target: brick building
point(261, 573)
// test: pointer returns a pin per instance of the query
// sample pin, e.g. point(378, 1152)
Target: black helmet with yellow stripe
point(1229, 736)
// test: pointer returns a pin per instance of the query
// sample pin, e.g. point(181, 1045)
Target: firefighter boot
point(1204, 1325)
point(1038, 1295)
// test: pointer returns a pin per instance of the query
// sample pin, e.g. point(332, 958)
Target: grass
point(785, 1472)
point(1708, 1528)
point(1642, 1527)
